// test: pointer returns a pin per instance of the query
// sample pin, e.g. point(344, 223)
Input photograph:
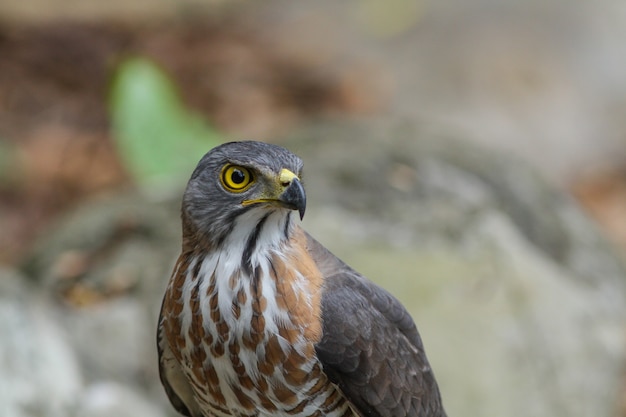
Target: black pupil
point(238, 176)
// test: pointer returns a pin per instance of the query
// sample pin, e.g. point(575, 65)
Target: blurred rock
point(107, 399)
point(39, 374)
point(101, 244)
point(114, 339)
point(106, 265)
point(519, 299)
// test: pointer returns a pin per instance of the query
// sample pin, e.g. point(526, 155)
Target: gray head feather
point(209, 211)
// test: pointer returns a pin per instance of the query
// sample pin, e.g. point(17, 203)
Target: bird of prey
point(259, 319)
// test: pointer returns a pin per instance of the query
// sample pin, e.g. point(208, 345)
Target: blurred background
point(469, 156)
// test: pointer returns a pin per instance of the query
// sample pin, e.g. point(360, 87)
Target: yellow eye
point(236, 179)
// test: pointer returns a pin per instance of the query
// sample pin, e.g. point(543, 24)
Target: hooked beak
point(288, 193)
point(294, 197)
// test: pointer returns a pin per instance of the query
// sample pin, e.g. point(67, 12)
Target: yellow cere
point(286, 176)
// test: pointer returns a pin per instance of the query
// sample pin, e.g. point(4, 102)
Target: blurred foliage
point(159, 140)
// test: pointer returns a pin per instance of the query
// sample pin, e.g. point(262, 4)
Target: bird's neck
point(252, 230)
point(255, 236)
point(265, 255)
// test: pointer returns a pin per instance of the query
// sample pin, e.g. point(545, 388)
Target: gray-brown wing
point(173, 379)
point(370, 346)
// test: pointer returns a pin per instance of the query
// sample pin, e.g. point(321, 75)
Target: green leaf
point(159, 139)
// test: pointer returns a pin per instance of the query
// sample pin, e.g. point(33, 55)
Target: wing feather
point(370, 347)
point(173, 379)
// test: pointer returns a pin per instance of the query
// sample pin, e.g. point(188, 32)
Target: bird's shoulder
point(370, 347)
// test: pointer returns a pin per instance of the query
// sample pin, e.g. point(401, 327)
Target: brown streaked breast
point(305, 316)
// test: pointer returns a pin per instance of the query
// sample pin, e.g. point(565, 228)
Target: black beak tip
point(294, 197)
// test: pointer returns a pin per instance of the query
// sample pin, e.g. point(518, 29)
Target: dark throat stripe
point(246, 260)
point(287, 224)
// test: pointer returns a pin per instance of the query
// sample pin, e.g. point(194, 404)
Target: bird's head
point(236, 179)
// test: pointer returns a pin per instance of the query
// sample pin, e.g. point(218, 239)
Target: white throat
point(257, 233)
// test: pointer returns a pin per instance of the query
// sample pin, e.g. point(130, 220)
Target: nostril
point(286, 177)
